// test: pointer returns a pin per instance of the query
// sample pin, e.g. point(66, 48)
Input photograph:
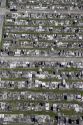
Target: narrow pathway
point(49, 59)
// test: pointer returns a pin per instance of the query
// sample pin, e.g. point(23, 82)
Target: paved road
point(42, 59)
point(51, 11)
point(3, 3)
point(3, 11)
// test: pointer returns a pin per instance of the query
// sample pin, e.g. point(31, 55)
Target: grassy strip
point(70, 69)
point(31, 48)
point(71, 113)
point(1, 42)
point(13, 79)
point(26, 18)
point(58, 91)
point(20, 69)
point(43, 32)
point(47, 49)
point(20, 123)
point(73, 80)
point(28, 123)
point(73, 91)
point(50, 79)
point(46, 25)
point(70, 41)
point(49, 70)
